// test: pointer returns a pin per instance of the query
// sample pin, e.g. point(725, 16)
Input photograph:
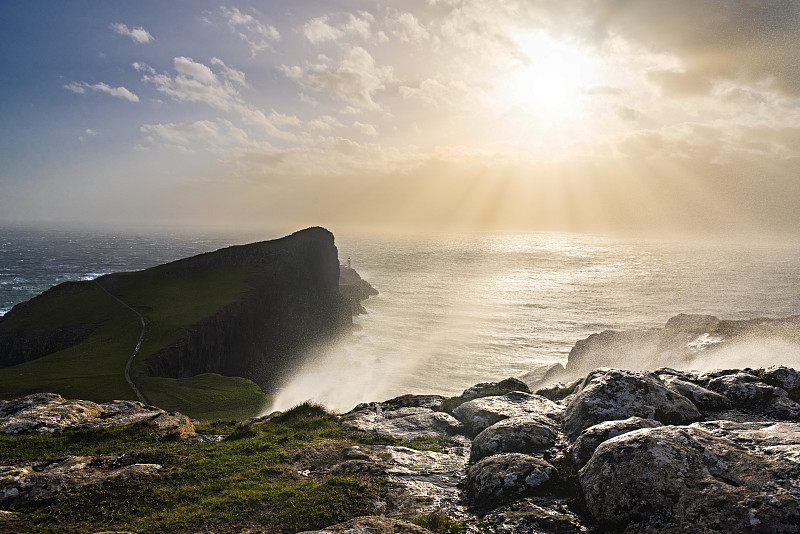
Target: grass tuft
point(437, 521)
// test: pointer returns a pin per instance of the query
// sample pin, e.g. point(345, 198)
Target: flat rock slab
point(372, 525)
point(431, 477)
point(422, 481)
point(29, 481)
point(47, 413)
point(534, 516)
point(610, 394)
point(404, 423)
point(479, 414)
point(681, 477)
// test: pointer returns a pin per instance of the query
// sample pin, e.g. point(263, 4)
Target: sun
point(551, 76)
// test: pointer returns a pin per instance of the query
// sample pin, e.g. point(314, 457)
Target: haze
point(671, 116)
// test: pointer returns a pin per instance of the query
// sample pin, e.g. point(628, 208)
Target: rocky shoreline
point(615, 451)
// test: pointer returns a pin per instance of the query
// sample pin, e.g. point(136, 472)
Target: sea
point(453, 310)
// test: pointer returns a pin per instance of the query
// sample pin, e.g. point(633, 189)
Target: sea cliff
point(248, 312)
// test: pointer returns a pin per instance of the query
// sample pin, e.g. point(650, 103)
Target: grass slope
point(244, 482)
point(170, 300)
point(93, 369)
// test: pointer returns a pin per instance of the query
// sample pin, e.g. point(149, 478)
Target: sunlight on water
point(454, 311)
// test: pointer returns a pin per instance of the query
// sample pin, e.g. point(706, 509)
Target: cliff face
point(686, 341)
point(249, 311)
point(22, 340)
point(293, 304)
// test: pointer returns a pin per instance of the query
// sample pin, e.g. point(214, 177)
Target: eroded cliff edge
point(250, 311)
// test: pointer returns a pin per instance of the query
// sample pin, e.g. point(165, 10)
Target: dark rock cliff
point(289, 303)
point(23, 339)
point(293, 305)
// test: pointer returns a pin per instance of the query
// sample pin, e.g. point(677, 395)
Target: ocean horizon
point(454, 310)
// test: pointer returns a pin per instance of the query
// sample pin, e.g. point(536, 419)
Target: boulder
point(677, 478)
point(747, 392)
point(23, 483)
point(591, 438)
point(534, 515)
point(610, 394)
point(372, 525)
point(46, 413)
point(526, 434)
point(509, 384)
point(705, 399)
point(503, 478)
point(479, 414)
point(785, 378)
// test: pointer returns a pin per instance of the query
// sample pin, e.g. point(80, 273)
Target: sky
point(607, 116)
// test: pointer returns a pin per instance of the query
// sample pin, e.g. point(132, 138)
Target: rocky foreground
point(616, 451)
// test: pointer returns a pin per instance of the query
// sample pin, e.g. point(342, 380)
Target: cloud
point(188, 67)
point(235, 76)
point(319, 30)
point(325, 123)
point(680, 84)
point(627, 114)
point(75, 88)
point(255, 33)
point(139, 35)
point(118, 92)
point(88, 132)
point(718, 144)
point(143, 67)
point(195, 82)
point(436, 94)
point(188, 136)
point(360, 24)
point(744, 42)
point(482, 28)
point(280, 119)
point(356, 78)
point(407, 28)
point(365, 129)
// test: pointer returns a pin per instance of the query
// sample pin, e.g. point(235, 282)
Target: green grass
point(437, 521)
point(92, 369)
point(170, 304)
point(208, 396)
point(242, 482)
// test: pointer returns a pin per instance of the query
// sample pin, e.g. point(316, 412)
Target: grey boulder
point(479, 414)
point(526, 434)
point(591, 438)
point(677, 478)
point(503, 478)
point(610, 394)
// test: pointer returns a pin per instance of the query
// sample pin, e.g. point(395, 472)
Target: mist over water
point(460, 310)
point(454, 311)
